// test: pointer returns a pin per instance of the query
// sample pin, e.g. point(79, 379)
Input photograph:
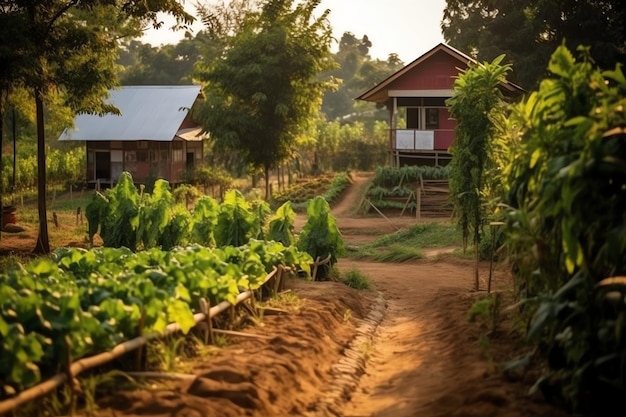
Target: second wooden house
point(153, 137)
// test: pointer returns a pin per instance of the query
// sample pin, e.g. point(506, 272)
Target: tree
point(265, 89)
point(144, 64)
point(484, 28)
point(356, 72)
point(68, 46)
point(476, 96)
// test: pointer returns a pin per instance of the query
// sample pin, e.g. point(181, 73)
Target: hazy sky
point(406, 27)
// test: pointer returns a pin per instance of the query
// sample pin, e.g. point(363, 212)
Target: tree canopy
point(69, 47)
point(528, 31)
point(265, 89)
point(356, 72)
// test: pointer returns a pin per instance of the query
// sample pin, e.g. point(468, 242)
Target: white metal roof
point(147, 113)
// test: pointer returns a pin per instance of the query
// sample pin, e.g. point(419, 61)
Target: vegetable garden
point(159, 268)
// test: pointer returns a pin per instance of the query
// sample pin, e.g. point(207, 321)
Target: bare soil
point(421, 357)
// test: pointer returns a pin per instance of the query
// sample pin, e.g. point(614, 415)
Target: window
point(432, 118)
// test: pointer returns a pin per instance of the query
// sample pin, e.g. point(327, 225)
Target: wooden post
point(205, 308)
point(67, 369)
point(140, 351)
point(418, 204)
point(493, 227)
point(476, 279)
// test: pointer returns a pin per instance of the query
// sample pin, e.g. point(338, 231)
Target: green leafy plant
point(476, 97)
point(281, 225)
point(320, 237)
point(235, 221)
point(565, 228)
point(91, 300)
point(204, 220)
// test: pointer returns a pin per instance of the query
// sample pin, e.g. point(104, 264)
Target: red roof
point(434, 70)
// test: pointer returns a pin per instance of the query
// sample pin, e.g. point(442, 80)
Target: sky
point(408, 28)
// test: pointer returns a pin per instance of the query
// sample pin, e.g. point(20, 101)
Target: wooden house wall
point(144, 160)
point(435, 73)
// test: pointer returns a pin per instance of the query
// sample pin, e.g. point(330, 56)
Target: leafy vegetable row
point(97, 298)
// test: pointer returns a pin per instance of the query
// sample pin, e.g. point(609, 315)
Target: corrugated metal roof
point(148, 113)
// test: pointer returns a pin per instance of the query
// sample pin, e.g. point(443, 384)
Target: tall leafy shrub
point(476, 96)
point(114, 215)
point(204, 220)
point(320, 236)
point(281, 225)
point(235, 221)
point(567, 229)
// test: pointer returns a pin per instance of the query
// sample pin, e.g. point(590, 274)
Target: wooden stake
point(205, 308)
point(241, 334)
point(140, 351)
point(67, 368)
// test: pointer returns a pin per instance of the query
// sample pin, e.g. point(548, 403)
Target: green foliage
point(261, 211)
point(348, 146)
point(125, 218)
point(281, 225)
point(565, 227)
point(356, 279)
point(320, 236)
point(408, 244)
point(476, 97)
point(235, 221)
point(488, 309)
point(409, 175)
point(154, 213)
point(204, 219)
point(210, 177)
point(269, 72)
point(329, 187)
point(96, 299)
point(186, 194)
point(540, 26)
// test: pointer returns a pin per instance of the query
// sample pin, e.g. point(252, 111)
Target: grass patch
point(356, 279)
point(408, 244)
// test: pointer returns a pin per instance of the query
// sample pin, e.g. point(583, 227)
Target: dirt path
point(425, 357)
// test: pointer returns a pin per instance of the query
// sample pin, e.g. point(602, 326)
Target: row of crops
point(97, 298)
point(157, 262)
point(328, 186)
point(393, 187)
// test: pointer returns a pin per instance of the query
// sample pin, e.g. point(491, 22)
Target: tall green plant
point(119, 223)
point(320, 237)
point(567, 230)
point(154, 213)
point(281, 225)
point(476, 97)
point(204, 219)
point(235, 221)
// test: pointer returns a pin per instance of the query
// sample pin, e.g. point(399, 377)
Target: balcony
point(407, 140)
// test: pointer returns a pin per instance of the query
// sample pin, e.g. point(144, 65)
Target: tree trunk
point(266, 173)
point(1, 136)
point(43, 243)
point(14, 127)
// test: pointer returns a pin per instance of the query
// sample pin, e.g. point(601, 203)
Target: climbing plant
point(476, 96)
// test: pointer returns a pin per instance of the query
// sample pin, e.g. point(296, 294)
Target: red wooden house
point(153, 137)
point(421, 128)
